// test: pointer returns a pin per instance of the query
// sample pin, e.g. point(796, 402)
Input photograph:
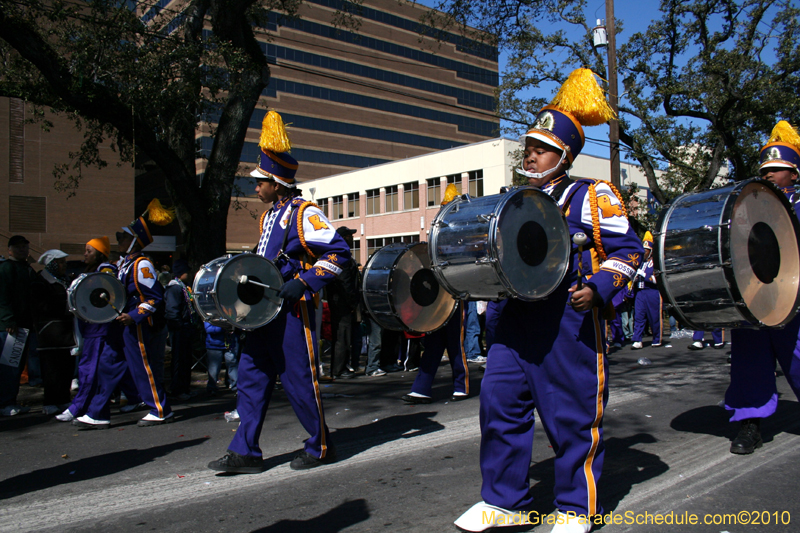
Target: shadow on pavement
point(339, 518)
point(352, 441)
point(624, 466)
point(713, 420)
point(88, 468)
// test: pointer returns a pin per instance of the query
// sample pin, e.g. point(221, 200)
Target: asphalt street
point(405, 468)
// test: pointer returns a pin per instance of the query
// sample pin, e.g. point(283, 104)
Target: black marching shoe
point(749, 437)
point(412, 399)
point(233, 463)
point(305, 460)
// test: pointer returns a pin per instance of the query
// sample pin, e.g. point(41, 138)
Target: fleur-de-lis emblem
point(319, 272)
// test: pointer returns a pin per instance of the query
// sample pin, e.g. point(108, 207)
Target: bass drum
point(730, 257)
point(221, 294)
point(96, 297)
point(514, 244)
point(400, 291)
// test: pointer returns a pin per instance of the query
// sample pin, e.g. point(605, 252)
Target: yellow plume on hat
point(449, 194)
point(273, 134)
point(783, 132)
point(581, 97)
point(158, 214)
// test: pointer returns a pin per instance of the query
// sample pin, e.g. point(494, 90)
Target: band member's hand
point(583, 299)
point(11, 331)
point(293, 290)
point(126, 319)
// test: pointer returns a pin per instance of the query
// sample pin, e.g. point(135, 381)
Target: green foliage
point(703, 86)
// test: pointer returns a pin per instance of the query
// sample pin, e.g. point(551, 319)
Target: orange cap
point(101, 244)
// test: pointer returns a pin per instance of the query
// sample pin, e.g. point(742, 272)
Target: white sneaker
point(87, 422)
point(75, 385)
point(50, 409)
point(478, 359)
point(66, 416)
point(9, 410)
point(566, 523)
point(152, 420)
point(483, 516)
point(636, 346)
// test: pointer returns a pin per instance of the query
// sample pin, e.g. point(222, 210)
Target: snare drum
point(400, 291)
point(730, 257)
point(514, 244)
point(96, 297)
point(219, 293)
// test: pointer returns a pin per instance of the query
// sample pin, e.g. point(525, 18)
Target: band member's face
point(124, 242)
point(540, 157)
point(20, 252)
point(91, 256)
point(779, 176)
point(267, 191)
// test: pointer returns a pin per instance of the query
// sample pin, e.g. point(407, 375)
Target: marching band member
point(450, 337)
point(94, 335)
point(294, 232)
point(132, 348)
point(648, 304)
point(752, 394)
point(550, 354)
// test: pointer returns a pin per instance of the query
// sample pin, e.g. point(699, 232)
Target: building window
point(352, 205)
point(27, 214)
point(373, 245)
point(323, 205)
point(411, 195)
point(455, 179)
point(476, 183)
point(338, 208)
point(434, 191)
point(356, 251)
point(373, 201)
point(392, 199)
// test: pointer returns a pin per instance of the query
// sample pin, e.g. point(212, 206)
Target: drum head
point(246, 305)
point(421, 304)
point(532, 244)
point(93, 297)
point(764, 253)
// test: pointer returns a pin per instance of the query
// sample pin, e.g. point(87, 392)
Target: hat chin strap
point(540, 175)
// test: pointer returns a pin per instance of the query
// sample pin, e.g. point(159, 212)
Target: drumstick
point(244, 280)
point(580, 239)
point(104, 296)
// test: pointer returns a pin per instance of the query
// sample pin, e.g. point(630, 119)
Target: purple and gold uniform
point(647, 300)
point(95, 342)
point(145, 295)
point(288, 344)
point(752, 393)
point(450, 337)
point(548, 356)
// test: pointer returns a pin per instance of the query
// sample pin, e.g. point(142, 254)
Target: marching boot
point(749, 437)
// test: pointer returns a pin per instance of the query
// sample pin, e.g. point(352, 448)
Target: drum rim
point(80, 279)
point(493, 248)
point(725, 251)
point(502, 277)
point(724, 255)
point(400, 247)
point(229, 260)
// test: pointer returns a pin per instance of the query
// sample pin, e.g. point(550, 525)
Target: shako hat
point(274, 162)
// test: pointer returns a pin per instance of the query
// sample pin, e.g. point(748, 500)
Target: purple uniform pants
point(286, 347)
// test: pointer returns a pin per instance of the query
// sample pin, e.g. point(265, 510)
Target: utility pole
point(613, 97)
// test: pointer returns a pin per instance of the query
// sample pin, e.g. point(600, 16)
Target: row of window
point(334, 207)
point(464, 97)
point(354, 130)
point(484, 128)
point(462, 70)
point(373, 245)
point(468, 46)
